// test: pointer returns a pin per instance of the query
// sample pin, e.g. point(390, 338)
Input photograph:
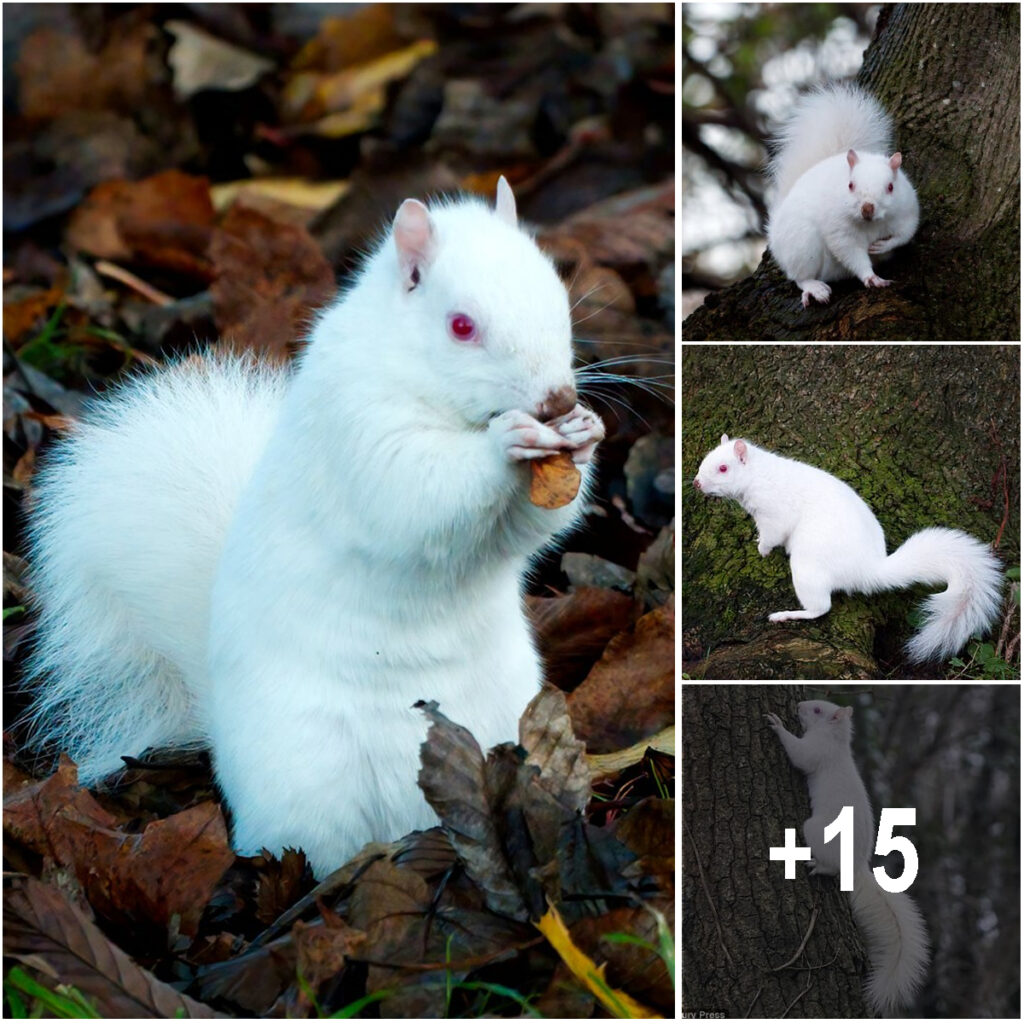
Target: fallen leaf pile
point(438, 923)
point(207, 175)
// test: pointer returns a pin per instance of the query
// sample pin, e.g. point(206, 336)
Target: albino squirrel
point(839, 199)
point(890, 922)
point(834, 542)
point(280, 564)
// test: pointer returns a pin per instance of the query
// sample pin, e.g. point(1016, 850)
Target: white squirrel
point(280, 564)
point(838, 198)
point(834, 542)
point(890, 921)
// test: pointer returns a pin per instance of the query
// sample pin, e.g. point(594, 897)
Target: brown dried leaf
point(554, 480)
point(565, 998)
point(24, 468)
point(393, 907)
point(629, 230)
point(655, 572)
point(452, 778)
point(590, 860)
point(423, 937)
point(574, 629)
point(599, 296)
point(630, 692)
point(213, 949)
point(171, 870)
point(636, 969)
point(552, 849)
point(164, 220)
point(648, 829)
point(164, 876)
point(40, 924)
point(29, 312)
point(52, 421)
point(428, 853)
point(14, 778)
point(270, 278)
point(387, 901)
point(545, 731)
point(57, 73)
point(281, 883)
point(35, 815)
point(324, 949)
point(253, 980)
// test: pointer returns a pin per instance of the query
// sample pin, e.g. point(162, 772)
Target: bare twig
point(126, 277)
point(800, 949)
point(711, 902)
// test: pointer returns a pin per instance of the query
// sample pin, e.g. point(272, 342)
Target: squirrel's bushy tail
point(896, 939)
point(831, 119)
point(127, 520)
point(973, 595)
point(105, 695)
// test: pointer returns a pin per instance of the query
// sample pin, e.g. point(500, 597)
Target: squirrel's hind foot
point(800, 613)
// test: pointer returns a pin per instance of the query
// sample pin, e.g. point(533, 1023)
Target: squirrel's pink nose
point(867, 211)
point(696, 483)
point(557, 402)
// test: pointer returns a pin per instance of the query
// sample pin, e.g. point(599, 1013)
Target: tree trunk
point(950, 752)
point(927, 435)
point(743, 921)
point(957, 115)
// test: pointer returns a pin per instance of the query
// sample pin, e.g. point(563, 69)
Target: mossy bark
point(950, 76)
point(928, 435)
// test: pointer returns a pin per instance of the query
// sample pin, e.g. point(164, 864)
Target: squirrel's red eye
point(889, 187)
point(723, 469)
point(462, 327)
point(851, 186)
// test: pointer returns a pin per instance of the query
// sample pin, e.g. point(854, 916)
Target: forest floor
point(181, 175)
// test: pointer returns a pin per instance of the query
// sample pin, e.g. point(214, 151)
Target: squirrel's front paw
point(880, 245)
point(520, 436)
point(774, 721)
point(583, 429)
point(874, 281)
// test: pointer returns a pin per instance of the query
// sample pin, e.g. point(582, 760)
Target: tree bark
point(927, 435)
point(743, 921)
point(957, 114)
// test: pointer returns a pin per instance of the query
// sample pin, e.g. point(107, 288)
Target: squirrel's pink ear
point(415, 241)
point(851, 158)
point(505, 203)
point(895, 161)
point(740, 448)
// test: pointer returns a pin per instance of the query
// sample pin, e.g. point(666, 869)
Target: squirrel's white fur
point(834, 542)
point(890, 921)
point(281, 564)
point(840, 195)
